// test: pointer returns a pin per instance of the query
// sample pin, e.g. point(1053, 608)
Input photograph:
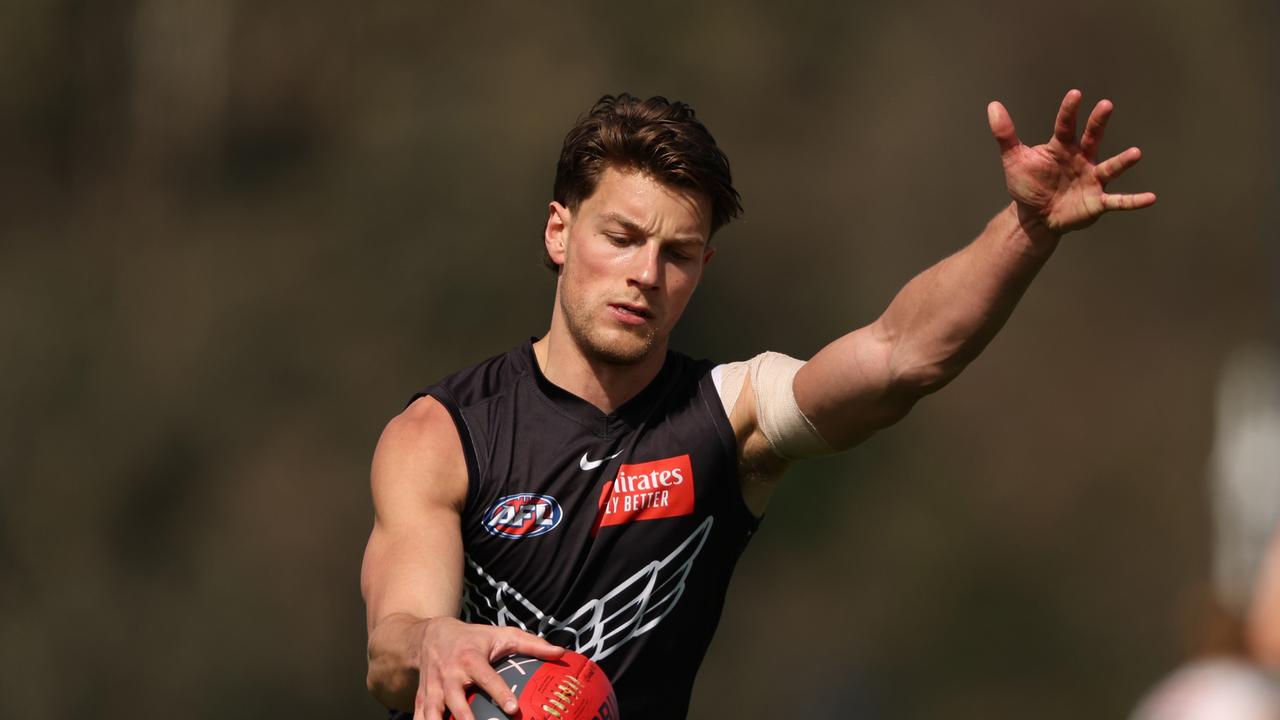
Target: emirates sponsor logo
point(647, 491)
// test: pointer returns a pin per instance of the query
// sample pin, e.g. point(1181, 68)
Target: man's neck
point(605, 385)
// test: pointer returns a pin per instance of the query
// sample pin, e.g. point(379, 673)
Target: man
point(593, 490)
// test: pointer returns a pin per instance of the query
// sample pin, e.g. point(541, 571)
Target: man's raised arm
point(945, 316)
point(421, 657)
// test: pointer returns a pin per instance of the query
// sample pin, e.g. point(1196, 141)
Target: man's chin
point(623, 347)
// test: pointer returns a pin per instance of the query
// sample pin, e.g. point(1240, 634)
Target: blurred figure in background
point(1237, 676)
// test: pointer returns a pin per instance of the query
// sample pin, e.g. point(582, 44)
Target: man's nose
point(645, 269)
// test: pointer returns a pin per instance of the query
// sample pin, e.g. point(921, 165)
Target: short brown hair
point(659, 137)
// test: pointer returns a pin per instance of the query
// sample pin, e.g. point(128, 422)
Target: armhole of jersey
point(728, 394)
point(445, 398)
point(714, 406)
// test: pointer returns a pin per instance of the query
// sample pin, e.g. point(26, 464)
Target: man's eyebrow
point(623, 220)
point(688, 240)
point(633, 226)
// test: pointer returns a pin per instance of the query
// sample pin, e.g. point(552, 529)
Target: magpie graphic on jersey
point(600, 626)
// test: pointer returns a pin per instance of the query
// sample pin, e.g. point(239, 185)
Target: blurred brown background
point(234, 236)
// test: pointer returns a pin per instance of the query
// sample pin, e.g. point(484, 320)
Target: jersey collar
point(629, 415)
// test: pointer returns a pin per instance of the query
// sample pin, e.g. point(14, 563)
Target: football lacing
point(566, 690)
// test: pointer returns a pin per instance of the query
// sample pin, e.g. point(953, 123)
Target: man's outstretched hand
point(1060, 184)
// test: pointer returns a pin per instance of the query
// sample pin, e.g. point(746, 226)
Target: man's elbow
point(915, 369)
point(391, 678)
point(915, 379)
point(392, 686)
point(375, 682)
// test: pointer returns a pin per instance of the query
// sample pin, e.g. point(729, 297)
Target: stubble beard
point(623, 346)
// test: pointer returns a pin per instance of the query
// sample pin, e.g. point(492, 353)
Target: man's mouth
point(633, 313)
point(640, 310)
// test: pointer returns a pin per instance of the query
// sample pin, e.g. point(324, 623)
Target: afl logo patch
point(522, 516)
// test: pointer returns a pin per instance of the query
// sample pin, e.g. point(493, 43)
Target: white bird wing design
point(600, 626)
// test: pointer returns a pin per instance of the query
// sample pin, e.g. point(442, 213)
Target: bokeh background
point(234, 236)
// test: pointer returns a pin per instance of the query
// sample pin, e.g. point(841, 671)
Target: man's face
point(631, 256)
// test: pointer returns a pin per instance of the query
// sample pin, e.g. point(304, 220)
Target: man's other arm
point(944, 317)
point(420, 656)
point(937, 323)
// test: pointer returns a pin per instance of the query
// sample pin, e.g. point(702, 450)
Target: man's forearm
point(947, 314)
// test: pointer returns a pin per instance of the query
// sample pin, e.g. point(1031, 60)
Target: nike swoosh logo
point(586, 464)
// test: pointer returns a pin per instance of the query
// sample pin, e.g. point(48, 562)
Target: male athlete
point(591, 489)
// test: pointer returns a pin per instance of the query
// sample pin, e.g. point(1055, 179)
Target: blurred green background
point(234, 236)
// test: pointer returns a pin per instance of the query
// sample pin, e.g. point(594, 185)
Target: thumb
point(1002, 127)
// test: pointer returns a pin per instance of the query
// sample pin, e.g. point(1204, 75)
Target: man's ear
point(557, 232)
point(708, 253)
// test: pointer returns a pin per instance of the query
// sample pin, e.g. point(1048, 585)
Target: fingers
point(1094, 128)
point(518, 641)
point(1064, 128)
point(488, 680)
point(427, 704)
point(441, 694)
point(455, 696)
point(1115, 166)
point(1134, 201)
point(1002, 127)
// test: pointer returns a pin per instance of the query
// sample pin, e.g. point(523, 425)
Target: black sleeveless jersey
point(612, 535)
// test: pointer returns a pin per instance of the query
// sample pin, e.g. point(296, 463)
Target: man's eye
point(618, 239)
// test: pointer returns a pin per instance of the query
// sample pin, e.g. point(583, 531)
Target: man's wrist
point(1032, 225)
point(1031, 232)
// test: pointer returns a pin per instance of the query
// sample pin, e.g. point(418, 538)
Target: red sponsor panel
point(647, 491)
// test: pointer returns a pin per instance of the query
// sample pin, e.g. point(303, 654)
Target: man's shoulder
point(424, 419)
point(477, 382)
point(419, 458)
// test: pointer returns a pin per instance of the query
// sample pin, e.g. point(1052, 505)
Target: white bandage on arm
point(781, 422)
